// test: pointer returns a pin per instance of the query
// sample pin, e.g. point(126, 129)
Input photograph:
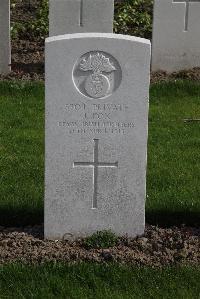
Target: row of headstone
point(176, 26)
point(97, 89)
point(5, 49)
point(72, 16)
point(176, 35)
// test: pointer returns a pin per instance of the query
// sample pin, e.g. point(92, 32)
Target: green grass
point(173, 180)
point(173, 187)
point(98, 281)
point(21, 153)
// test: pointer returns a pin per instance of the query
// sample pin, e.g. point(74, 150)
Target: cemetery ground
point(162, 263)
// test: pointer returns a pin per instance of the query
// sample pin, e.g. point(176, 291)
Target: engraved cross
point(187, 6)
point(95, 165)
point(81, 13)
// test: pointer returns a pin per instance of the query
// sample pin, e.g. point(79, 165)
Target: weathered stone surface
point(97, 88)
point(176, 35)
point(5, 52)
point(72, 16)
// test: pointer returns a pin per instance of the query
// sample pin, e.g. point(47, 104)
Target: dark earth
point(156, 248)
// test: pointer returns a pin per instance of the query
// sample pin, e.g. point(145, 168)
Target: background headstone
point(5, 55)
point(72, 16)
point(97, 88)
point(176, 35)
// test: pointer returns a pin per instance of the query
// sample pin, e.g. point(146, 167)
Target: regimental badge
point(97, 75)
point(97, 85)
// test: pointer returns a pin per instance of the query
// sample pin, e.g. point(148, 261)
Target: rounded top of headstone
point(99, 36)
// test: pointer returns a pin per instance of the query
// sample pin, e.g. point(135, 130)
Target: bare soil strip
point(156, 248)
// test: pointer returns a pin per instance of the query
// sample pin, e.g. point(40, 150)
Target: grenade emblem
point(97, 75)
point(97, 84)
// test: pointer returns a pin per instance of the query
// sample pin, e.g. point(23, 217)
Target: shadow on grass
point(22, 217)
point(165, 218)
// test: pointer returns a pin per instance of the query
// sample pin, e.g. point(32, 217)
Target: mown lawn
point(21, 153)
point(85, 281)
point(173, 180)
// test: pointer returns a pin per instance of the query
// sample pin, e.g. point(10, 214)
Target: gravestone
point(5, 55)
point(176, 35)
point(97, 88)
point(72, 16)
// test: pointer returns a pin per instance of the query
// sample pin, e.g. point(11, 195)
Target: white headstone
point(97, 89)
point(72, 16)
point(176, 35)
point(5, 55)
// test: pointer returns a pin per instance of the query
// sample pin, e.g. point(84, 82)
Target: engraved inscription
point(187, 6)
point(97, 127)
point(95, 165)
point(90, 118)
point(97, 75)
